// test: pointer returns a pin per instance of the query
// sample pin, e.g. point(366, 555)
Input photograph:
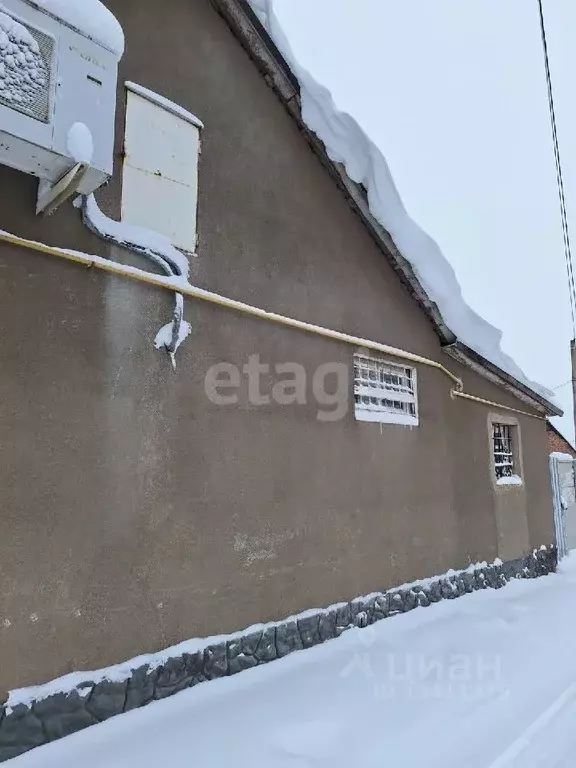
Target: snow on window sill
point(383, 417)
point(510, 480)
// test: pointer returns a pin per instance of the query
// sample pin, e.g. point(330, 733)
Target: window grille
point(503, 450)
point(384, 392)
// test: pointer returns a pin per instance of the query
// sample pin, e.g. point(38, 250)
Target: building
point(266, 467)
point(557, 443)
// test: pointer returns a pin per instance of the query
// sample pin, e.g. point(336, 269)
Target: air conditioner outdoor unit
point(57, 100)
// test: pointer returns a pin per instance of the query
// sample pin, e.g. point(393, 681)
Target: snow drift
point(347, 143)
point(485, 681)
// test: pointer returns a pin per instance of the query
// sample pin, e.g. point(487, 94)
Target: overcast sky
point(453, 92)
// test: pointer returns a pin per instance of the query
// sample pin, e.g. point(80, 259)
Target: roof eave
point(262, 50)
point(464, 354)
point(254, 38)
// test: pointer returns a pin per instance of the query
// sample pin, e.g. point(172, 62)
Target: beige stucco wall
point(135, 512)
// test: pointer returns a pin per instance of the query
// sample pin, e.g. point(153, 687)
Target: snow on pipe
point(181, 286)
point(482, 400)
point(157, 249)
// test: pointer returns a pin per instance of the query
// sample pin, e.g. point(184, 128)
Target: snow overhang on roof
point(360, 170)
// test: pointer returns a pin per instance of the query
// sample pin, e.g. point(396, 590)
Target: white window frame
point(506, 463)
point(401, 395)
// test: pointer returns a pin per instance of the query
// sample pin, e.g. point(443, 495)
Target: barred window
point(384, 392)
point(503, 451)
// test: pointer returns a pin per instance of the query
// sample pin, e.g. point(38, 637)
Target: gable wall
point(138, 513)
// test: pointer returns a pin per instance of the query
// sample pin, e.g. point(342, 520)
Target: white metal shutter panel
point(160, 177)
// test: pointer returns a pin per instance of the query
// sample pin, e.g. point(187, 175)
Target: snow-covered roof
point(90, 17)
point(346, 143)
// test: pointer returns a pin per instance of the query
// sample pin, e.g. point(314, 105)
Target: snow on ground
point(485, 681)
point(347, 143)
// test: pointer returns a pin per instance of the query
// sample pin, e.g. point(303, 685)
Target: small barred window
point(503, 451)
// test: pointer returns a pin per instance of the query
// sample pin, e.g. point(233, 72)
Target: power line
point(570, 381)
point(559, 176)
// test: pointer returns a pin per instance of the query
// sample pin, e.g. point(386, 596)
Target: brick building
point(557, 443)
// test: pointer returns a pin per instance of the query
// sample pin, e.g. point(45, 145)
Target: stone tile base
point(24, 727)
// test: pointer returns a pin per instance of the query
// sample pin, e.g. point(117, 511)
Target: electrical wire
point(559, 175)
point(167, 265)
point(570, 381)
